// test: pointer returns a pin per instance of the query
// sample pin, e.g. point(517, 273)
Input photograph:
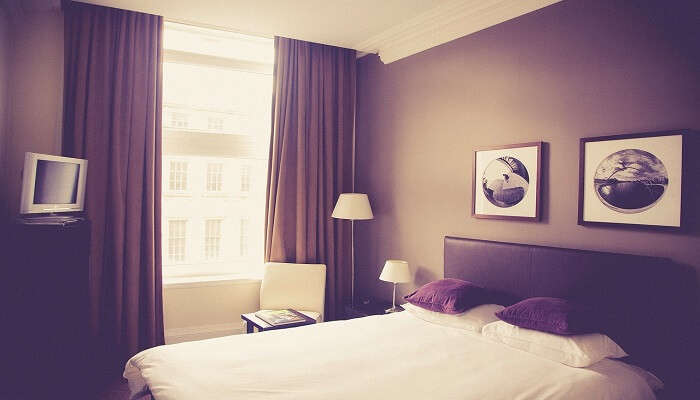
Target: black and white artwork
point(631, 179)
point(506, 182)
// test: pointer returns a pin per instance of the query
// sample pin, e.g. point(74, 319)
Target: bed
point(401, 356)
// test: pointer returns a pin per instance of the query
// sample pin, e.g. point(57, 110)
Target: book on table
point(281, 317)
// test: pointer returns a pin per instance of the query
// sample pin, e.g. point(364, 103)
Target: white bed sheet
point(396, 356)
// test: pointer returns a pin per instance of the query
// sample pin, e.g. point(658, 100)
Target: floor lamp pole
point(352, 260)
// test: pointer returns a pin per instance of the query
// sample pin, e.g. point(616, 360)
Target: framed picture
point(632, 179)
point(506, 182)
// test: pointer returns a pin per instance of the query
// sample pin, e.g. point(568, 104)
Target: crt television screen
point(56, 182)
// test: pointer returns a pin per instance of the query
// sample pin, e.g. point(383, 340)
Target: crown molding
point(444, 23)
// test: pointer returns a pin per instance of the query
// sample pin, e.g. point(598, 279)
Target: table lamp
point(395, 271)
point(352, 206)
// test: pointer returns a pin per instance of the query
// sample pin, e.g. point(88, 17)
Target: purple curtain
point(112, 117)
point(310, 161)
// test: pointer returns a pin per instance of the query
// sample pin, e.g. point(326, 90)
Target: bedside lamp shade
point(352, 206)
point(395, 271)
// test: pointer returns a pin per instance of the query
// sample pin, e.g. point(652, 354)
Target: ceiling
point(392, 28)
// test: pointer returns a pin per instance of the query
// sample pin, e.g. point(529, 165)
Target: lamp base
point(393, 310)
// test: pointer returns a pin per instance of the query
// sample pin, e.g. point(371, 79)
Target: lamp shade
point(352, 206)
point(395, 271)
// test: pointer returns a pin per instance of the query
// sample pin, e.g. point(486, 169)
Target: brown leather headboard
point(651, 302)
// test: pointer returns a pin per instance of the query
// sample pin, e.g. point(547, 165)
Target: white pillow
point(472, 320)
point(573, 350)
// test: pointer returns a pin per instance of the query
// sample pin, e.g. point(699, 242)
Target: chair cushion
point(296, 286)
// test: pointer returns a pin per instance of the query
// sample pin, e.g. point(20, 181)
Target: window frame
point(184, 123)
point(220, 175)
point(219, 123)
point(187, 189)
point(244, 186)
point(241, 236)
point(196, 265)
point(220, 254)
point(185, 249)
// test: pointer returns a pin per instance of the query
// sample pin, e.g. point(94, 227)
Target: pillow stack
point(553, 315)
point(454, 303)
point(449, 296)
point(557, 329)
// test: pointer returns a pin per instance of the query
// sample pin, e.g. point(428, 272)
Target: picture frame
point(507, 182)
point(633, 180)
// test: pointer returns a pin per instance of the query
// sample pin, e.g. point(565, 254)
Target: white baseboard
point(190, 333)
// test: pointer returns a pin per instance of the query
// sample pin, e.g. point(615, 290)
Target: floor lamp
point(353, 206)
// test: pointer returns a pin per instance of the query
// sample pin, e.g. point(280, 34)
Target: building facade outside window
point(214, 177)
point(215, 123)
point(244, 237)
point(217, 94)
point(245, 178)
point(212, 239)
point(179, 120)
point(177, 240)
point(178, 176)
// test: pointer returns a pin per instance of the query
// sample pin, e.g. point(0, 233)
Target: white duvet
point(396, 356)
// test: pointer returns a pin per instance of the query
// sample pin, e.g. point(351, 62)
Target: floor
point(116, 390)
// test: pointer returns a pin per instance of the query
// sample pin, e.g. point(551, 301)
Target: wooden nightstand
point(366, 308)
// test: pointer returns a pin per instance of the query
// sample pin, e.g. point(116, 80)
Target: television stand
point(52, 219)
point(44, 287)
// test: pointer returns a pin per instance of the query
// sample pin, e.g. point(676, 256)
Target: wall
point(31, 53)
point(4, 83)
point(35, 96)
point(203, 310)
point(570, 70)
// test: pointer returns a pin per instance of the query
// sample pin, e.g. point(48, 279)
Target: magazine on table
point(281, 317)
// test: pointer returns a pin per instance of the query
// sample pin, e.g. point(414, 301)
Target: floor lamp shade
point(353, 206)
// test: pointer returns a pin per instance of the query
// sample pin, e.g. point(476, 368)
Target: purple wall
point(574, 69)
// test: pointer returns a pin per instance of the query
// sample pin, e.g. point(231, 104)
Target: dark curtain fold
point(112, 117)
point(310, 163)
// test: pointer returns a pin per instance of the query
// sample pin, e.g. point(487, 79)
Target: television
point(52, 184)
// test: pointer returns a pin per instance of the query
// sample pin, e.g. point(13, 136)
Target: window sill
point(178, 194)
point(217, 194)
point(211, 280)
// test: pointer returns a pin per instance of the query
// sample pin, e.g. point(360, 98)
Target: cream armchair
point(298, 286)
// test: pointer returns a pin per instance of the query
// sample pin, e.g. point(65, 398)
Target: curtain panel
point(112, 117)
point(311, 161)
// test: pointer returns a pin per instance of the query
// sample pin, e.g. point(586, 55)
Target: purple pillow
point(551, 314)
point(449, 296)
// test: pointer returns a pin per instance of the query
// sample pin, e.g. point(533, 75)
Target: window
point(179, 120)
point(178, 176)
point(212, 239)
point(217, 88)
point(177, 237)
point(214, 177)
point(215, 123)
point(245, 178)
point(243, 248)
